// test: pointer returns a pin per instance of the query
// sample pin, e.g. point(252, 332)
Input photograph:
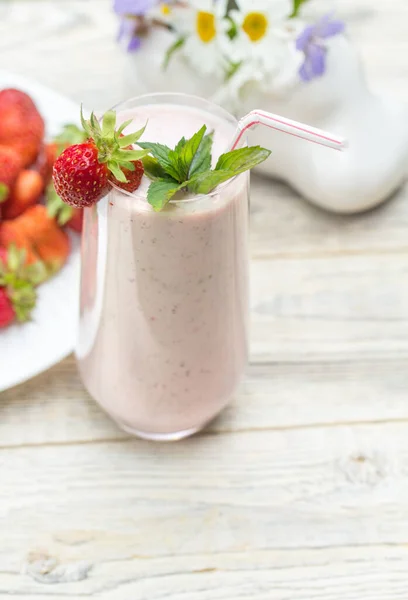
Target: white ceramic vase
point(372, 168)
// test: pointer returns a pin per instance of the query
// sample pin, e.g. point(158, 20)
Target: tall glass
point(164, 295)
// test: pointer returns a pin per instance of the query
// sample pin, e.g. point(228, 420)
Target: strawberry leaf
point(95, 125)
point(130, 154)
point(23, 298)
point(56, 208)
point(131, 138)
point(160, 192)
point(108, 123)
point(4, 192)
point(123, 126)
point(15, 258)
point(85, 124)
point(70, 134)
point(116, 171)
point(36, 273)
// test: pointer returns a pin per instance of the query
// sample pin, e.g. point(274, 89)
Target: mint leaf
point(242, 159)
point(204, 183)
point(202, 160)
point(161, 153)
point(180, 145)
point(179, 43)
point(189, 166)
point(160, 192)
point(188, 152)
point(153, 170)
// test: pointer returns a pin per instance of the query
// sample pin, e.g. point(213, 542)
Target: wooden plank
point(54, 408)
point(284, 225)
point(251, 492)
point(362, 573)
point(329, 309)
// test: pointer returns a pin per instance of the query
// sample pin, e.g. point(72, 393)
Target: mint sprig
point(188, 166)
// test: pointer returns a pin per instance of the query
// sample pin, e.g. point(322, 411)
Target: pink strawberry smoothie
point(163, 334)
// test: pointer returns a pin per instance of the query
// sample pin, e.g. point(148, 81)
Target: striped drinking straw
point(311, 134)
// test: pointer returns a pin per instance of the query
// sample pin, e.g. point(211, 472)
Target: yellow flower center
point(205, 25)
point(165, 9)
point(255, 26)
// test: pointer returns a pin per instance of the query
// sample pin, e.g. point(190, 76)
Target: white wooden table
point(300, 490)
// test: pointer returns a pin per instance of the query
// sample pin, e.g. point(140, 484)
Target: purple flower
point(129, 10)
point(127, 34)
point(311, 43)
point(133, 7)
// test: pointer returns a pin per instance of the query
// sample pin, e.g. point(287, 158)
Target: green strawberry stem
point(113, 147)
point(20, 281)
point(70, 134)
point(4, 191)
point(56, 208)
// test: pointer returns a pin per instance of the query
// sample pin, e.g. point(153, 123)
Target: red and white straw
point(311, 134)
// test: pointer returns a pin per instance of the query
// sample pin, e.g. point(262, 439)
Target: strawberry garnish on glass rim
point(82, 174)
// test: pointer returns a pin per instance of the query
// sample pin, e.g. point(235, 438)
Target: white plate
point(33, 347)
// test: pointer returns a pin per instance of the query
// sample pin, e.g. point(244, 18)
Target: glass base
point(159, 437)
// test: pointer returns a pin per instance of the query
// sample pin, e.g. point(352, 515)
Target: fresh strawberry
point(75, 222)
point(21, 125)
point(82, 172)
point(79, 178)
point(70, 134)
point(63, 213)
point(12, 234)
point(49, 242)
point(7, 314)
point(27, 191)
point(10, 166)
point(45, 161)
point(39, 235)
point(133, 177)
point(17, 285)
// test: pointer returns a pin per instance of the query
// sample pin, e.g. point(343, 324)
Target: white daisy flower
point(261, 30)
point(163, 12)
point(203, 46)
